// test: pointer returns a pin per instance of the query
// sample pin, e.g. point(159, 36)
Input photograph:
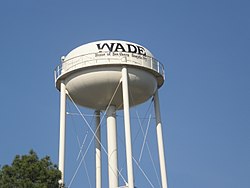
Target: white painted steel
point(106, 52)
point(97, 66)
point(85, 85)
point(125, 92)
point(91, 48)
point(62, 132)
point(98, 151)
point(112, 147)
point(91, 73)
point(84, 61)
point(160, 141)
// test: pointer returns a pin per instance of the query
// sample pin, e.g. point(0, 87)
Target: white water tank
point(92, 73)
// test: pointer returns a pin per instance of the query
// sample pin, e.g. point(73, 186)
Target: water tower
point(103, 75)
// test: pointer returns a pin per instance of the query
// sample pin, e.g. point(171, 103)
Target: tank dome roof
point(109, 46)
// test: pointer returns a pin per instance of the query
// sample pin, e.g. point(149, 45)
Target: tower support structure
point(62, 133)
point(160, 141)
point(98, 160)
point(125, 94)
point(112, 147)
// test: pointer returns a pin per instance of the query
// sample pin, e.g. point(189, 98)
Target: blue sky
point(205, 103)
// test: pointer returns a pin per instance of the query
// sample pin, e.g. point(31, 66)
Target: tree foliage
point(28, 171)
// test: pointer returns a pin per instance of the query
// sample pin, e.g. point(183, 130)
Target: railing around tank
point(90, 59)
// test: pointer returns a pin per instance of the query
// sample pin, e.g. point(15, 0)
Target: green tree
point(28, 171)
